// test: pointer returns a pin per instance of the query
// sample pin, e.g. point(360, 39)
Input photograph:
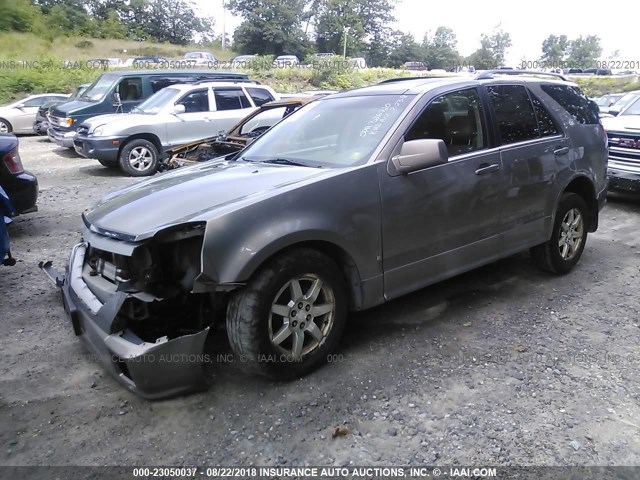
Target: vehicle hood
point(622, 123)
point(65, 109)
point(134, 118)
point(191, 194)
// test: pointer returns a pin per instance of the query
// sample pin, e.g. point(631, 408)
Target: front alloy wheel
point(289, 316)
point(301, 316)
point(5, 127)
point(139, 158)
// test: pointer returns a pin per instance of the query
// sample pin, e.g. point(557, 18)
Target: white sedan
point(18, 117)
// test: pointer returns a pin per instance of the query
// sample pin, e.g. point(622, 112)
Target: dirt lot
point(501, 366)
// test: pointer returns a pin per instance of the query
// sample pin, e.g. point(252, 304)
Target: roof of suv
point(191, 85)
point(408, 85)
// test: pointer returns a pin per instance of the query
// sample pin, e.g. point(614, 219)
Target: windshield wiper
point(280, 161)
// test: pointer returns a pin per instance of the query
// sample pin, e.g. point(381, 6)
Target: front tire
point(290, 315)
point(139, 158)
point(568, 238)
point(5, 126)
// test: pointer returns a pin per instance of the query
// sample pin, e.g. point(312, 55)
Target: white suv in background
point(183, 113)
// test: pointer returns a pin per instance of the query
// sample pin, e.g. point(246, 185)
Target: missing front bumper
point(162, 369)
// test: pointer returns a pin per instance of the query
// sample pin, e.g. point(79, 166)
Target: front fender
point(341, 212)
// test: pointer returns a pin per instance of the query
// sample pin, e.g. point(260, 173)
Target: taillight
point(13, 162)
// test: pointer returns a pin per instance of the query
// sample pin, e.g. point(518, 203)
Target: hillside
point(28, 46)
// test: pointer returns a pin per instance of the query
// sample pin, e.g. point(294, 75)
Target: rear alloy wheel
point(5, 127)
point(289, 316)
point(139, 158)
point(563, 251)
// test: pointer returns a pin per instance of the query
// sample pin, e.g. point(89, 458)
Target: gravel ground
point(501, 366)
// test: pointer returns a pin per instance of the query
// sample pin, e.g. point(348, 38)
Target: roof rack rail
point(403, 79)
point(488, 74)
point(223, 79)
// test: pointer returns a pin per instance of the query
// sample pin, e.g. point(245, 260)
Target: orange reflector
point(116, 142)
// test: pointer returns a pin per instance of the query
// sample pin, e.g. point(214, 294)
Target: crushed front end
point(132, 305)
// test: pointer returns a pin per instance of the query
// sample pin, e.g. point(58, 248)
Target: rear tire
point(290, 315)
point(5, 126)
point(568, 238)
point(139, 158)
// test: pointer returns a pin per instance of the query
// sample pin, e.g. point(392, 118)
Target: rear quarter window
point(574, 102)
point(260, 96)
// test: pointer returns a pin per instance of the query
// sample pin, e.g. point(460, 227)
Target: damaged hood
point(191, 194)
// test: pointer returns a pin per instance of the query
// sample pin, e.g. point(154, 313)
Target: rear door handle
point(561, 151)
point(485, 168)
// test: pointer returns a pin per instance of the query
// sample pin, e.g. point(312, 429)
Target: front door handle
point(561, 151)
point(485, 168)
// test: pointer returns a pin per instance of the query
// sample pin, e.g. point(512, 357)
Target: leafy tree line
point(581, 52)
point(171, 21)
point(301, 27)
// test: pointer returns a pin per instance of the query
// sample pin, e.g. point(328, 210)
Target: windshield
point(157, 101)
point(634, 108)
point(100, 88)
point(338, 132)
point(193, 55)
point(79, 91)
point(625, 100)
point(263, 121)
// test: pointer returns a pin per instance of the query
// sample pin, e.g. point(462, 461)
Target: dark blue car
point(21, 186)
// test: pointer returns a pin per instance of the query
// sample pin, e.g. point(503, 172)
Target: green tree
point(584, 51)
point(270, 27)
point(365, 20)
point(377, 51)
point(406, 49)
point(554, 50)
point(17, 15)
point(175, 21)
point(492, 51)
point(441, 49)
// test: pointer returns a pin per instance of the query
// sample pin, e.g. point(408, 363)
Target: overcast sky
point(528, 23)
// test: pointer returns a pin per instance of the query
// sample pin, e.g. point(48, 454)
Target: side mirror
point(178, 109)
point(614, 111)
point(419, 154)
point(116, 99)
point(20, 106)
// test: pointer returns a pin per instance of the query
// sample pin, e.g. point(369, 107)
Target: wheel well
point(143, 136)
point(584, 187)
point(343, 260)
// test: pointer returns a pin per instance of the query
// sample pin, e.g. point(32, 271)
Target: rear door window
point(231, 99)
point(515, 115)
point(546, 125)
point(575, 102)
